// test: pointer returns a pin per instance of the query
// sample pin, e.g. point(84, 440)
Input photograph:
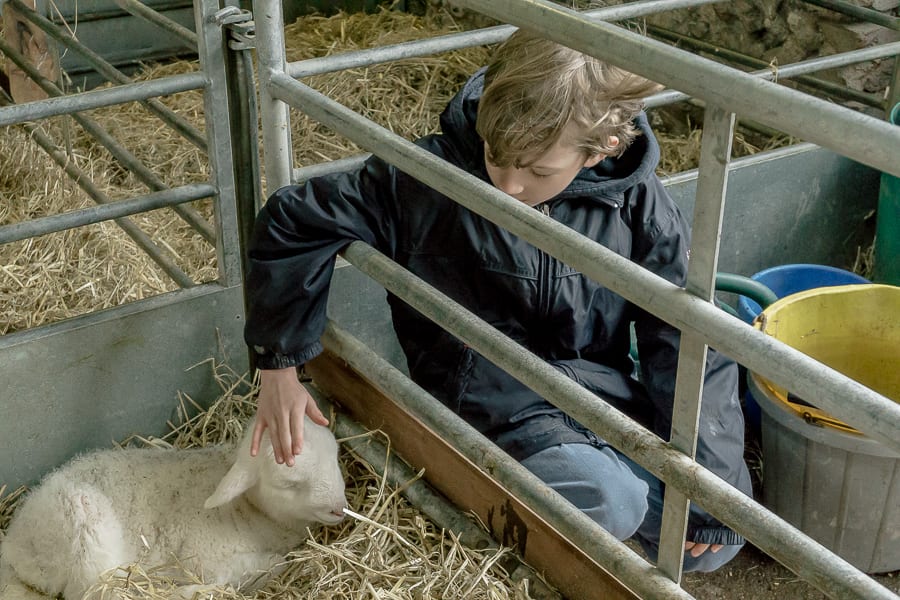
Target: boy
point(564, 133)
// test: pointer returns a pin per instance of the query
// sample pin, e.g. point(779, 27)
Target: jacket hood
point(608, 179)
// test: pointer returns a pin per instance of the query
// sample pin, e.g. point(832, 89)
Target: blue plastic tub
point(785, 280)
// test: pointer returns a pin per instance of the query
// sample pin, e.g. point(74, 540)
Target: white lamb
point(224, 514)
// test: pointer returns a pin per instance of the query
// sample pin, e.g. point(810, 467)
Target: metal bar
point(84, 182)
point(326, 168)
point(112, 74)
point(143, 11)
point(852, 134)
point(492, 35)
point(134, 92)
point(468, 39)
point(119, 152)
point(211, 49)
point(795, 69)
point(276, 124)
point(859, 12)
point(709, 208)
point(844, 398)
point(245, 117)
point(99, 12)
point(621, 562)
point(776, 537)
point(779, 73)
point(104, 212)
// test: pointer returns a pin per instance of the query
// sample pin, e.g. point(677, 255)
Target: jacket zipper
point(544, 285)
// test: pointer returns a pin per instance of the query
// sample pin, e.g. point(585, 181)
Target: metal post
point(715, 154)
point(275, 115)
point(211, 47)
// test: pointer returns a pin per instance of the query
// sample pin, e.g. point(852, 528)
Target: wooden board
point(509, 521)
point(31, 42)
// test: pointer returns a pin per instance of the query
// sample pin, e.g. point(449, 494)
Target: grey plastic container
point(841, 489)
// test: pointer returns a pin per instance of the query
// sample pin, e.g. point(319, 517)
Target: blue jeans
point(617, 493)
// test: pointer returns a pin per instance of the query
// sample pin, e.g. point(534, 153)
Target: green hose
point(745, 286)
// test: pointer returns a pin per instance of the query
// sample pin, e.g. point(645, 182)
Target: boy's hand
point(282, 403)
point(698, 549)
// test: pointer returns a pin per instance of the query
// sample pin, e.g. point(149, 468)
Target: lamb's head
point(312, 490)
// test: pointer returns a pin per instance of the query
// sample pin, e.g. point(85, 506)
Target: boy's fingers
point(313, 412)
point(283, 452)
point(297, 433)
point(695, 548)
point(257, 436)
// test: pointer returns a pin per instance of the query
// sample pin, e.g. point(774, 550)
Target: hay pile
point(385, 549)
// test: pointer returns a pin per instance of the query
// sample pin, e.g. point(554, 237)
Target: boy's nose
point(508, 182)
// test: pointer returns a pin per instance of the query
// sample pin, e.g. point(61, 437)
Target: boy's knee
point(596, 482)
point(620, 508)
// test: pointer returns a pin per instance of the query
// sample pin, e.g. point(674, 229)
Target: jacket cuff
point(716, 535)
point(269, 359)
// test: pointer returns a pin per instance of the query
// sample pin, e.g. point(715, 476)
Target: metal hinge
point(239, 25)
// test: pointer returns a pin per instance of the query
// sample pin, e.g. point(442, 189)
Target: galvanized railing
point(726, 92)
point(212, 79)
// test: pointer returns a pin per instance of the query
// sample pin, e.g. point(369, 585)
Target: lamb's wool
point(224, 513)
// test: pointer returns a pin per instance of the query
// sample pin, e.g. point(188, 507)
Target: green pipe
point(886, 266)
point(745, 286)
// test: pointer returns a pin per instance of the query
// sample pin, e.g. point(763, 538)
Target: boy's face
point(545, 176)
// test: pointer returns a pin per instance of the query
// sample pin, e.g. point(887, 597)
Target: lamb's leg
point(245, 571)
point(97, 542)
point(11, 588)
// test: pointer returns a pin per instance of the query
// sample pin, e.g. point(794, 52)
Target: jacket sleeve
point(662, 247)
point(292, 252)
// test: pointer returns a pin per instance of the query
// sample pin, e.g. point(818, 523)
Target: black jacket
point(569, 320)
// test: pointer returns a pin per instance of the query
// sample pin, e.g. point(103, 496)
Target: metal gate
point(95, 361)
point(85, 381)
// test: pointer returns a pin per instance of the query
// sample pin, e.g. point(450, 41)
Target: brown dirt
point(753, 575)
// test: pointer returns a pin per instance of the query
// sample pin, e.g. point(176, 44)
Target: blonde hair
point(534, 88)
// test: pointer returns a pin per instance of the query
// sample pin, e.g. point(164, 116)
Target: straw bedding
point(385, 549)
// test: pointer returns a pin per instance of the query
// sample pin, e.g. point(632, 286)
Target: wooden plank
point(27, 39)
point(509, 521)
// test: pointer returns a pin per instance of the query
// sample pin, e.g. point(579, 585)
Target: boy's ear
point(596, 158)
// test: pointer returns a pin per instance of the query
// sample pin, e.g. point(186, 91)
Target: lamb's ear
point(242, 475)
point(239, 478)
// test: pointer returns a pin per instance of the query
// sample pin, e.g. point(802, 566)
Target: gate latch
point(240, 26)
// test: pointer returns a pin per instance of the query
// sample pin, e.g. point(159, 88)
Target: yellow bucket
point(854, 329)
